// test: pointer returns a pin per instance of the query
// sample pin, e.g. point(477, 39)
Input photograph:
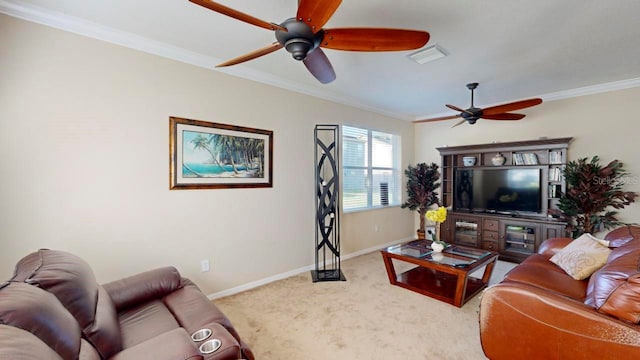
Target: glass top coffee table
point(443, 276)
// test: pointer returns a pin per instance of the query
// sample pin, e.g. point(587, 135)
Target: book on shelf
point(555, 174)
point(555, 157)
point(530, 159)
point(525, 159)
point(517, 159)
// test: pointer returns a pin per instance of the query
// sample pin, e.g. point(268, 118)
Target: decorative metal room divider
point(327, 191)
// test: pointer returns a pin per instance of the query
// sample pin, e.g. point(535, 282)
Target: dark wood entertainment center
point(515, 235)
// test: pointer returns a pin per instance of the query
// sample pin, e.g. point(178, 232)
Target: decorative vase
point(421, 234)
point(437, 256)
point(437, 246)
point(498, 159)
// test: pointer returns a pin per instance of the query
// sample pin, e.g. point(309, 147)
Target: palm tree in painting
point(249, 153)
point(254, 153)
point(228, 145)
point(202, 142)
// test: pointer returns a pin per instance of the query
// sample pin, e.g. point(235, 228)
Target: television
point(498, 190)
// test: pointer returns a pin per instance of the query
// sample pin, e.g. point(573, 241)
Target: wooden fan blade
point(237, 15)
point(252, 55)
point(319, 66)
point(316, 13)
point(460, 123)
point(373, 39)
point(436, 119)
point(452, 107)
point(493, 110)
point(461, 110)
point(503, 116)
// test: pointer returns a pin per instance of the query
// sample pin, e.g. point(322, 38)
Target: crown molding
point(58, 20)
point(590, 90)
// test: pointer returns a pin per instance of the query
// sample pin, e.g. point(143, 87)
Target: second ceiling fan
point(303, 36)
point(498, 112)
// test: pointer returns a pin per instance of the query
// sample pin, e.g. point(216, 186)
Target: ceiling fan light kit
point(498, 112)
point(298, 39)
point(303, 36)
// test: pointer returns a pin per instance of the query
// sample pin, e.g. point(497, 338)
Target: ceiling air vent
point(430, 53)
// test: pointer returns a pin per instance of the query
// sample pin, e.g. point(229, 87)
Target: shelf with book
point(526, 158)
point(557, 157)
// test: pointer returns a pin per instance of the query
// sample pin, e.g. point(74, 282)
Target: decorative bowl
point(469, 160)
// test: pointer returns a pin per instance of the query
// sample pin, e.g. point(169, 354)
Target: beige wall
point(84, 159)
point(602, 124)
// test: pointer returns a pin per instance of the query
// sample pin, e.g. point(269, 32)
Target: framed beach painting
point(206, 155)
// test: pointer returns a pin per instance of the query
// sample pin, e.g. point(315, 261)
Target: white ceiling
point(515, 49)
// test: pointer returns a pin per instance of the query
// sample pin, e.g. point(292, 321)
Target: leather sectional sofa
point(540, 312)
point(53, 308)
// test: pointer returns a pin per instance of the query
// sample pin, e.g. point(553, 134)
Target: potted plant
point(422, 183)
point(592, 189)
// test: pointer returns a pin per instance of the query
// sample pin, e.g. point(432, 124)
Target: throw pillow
point(582, 257)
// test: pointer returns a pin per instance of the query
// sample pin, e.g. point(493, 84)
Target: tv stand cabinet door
point(466, 230)
point(552, 231)
point(519, 239)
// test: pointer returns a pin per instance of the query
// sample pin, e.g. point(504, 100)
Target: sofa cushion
point(622, 235)
point(40, 313)
point(538, 271)
point(16, 343)
point(144, 322)
point(104, 333)
point(174, 344)
point(67, 277)
point(615, 288)
point(87, 351)
point(582, 257)
point(72, 281)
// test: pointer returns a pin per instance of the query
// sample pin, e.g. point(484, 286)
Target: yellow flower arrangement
point(438, 216)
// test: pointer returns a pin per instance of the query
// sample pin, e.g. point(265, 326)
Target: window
point(371, 169)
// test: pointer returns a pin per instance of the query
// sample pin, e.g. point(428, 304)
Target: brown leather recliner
point(540, 312)
point(53, 308)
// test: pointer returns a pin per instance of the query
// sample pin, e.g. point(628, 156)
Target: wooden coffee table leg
point(461, 289)
point(391, 271)
point(488, 270)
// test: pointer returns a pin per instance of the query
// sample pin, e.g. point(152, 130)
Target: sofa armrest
point(143, 287)
point(551, 246)
point(544, 325)
point(174, 344)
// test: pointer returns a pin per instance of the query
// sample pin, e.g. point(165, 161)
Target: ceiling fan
point(498, 112)
point(303, 36)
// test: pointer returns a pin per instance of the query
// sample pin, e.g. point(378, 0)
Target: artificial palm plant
point(422, 184)
point(592, 190)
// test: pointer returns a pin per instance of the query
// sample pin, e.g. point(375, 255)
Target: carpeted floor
point(362, 318)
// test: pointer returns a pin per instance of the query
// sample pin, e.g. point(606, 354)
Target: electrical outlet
point(204, 265)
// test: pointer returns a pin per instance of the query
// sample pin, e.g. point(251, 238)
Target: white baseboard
point(255, 284)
